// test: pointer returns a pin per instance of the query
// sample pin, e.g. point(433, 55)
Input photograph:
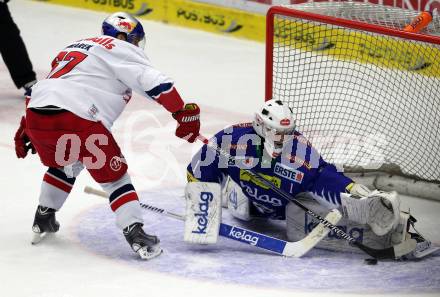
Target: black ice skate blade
point(370, 261)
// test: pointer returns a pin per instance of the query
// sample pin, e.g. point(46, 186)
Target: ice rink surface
point(89, 256)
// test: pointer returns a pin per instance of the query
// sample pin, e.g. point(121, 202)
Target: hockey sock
point(55, 188)
point(124, 201)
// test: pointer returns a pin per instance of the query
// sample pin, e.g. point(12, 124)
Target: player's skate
point(424, 247)
point(147, 246)
point(44, 223)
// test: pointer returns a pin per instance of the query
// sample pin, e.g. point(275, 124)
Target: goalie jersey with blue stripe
point(300, 168)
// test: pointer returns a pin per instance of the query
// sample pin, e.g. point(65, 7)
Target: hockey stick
point(387, 253)
point(271, 244)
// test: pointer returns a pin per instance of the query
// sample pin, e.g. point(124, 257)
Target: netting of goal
point(365, 93)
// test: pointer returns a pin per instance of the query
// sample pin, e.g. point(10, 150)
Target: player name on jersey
point(81, 46)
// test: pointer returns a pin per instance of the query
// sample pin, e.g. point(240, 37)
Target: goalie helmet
point(122, 22)
point(276, 124)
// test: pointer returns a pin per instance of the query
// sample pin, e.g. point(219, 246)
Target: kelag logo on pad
point(202, 222)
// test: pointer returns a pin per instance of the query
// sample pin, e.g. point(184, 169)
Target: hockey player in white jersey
point(69, 116)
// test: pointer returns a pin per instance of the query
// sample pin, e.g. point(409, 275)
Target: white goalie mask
point(276, 124)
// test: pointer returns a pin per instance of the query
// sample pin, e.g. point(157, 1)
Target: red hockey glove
point(188, 122)
point(22, 142)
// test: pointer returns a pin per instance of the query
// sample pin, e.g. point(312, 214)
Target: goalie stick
point(272, 244)
point(393, 252)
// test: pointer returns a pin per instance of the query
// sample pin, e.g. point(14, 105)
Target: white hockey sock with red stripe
point(124, 201)
point(55, 188)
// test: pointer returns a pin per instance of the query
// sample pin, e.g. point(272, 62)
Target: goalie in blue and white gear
point(272, 147)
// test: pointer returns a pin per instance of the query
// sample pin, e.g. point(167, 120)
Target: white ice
point(223, 74)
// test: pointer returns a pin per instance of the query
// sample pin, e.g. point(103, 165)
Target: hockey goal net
point(366, 93)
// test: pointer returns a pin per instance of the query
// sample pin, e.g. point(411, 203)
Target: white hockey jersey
point(93, 78)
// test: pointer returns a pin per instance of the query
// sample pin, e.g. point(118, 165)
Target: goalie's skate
point(145, 245)
point(44, 224)
point(423, 246)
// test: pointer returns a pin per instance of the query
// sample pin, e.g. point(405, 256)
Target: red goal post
point(360, 84)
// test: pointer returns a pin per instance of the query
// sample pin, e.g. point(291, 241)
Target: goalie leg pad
point(380, 210)
point(238, 203)
point(299, 224)
point(203, 212)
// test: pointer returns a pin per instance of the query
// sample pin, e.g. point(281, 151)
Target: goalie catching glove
point(188, 122)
